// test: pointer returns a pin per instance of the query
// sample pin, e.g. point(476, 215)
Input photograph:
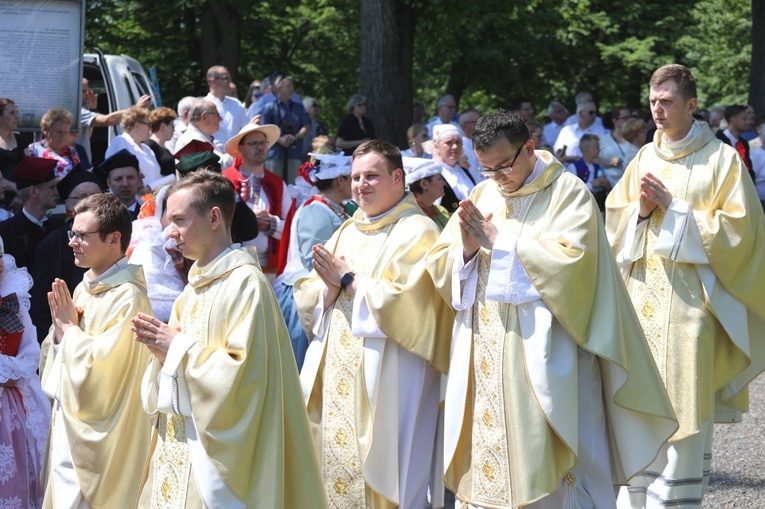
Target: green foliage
point(719, 51)
point(485, 53)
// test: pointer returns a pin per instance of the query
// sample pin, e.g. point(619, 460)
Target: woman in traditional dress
point(24, 410)
point(313, 223)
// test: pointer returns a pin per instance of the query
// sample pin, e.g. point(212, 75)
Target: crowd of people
point(234, 309)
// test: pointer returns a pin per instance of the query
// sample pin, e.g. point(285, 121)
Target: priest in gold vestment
point(688, 232)
point(379, 339)
point(546, 402)
point(231, 427)
point(99, 441)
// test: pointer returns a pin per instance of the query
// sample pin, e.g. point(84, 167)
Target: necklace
point(338, 210)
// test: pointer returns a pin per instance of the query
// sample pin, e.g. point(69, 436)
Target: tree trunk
point(757, 69)
point(221, 36)
point(387, 54)
point(457, 80)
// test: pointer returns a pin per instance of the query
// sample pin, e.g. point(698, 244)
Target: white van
point(119, 81)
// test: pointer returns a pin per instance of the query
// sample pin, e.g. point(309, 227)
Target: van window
point(129, 88)
point(140, 81)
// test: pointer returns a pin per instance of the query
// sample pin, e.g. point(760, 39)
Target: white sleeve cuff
point(508, 280)
point(363, 324)
point(173, 395)
point(679, 237)
point(464, 282)
point(633, 242)
point(320, 319)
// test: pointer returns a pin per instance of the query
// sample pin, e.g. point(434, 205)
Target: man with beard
point(263, 191)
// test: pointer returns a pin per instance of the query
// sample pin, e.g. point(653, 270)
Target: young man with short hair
point(380, 337)
point(686, 227)
point(544, 405)
point(99, 442)
point(231, 430)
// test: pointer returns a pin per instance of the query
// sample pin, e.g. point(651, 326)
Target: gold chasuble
point(511, 409)
point(236, 398)
point(704, 317)
point(96, 371)
point(351, 383)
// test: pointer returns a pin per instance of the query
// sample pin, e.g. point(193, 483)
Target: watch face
point(347, 279)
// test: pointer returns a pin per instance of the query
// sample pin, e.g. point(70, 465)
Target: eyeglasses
point(256, 144)
point(78, 236)
point(591, 112)
point(143, 122)
point(361, 104)
point(504, 169)
point(223, 78)
point(213, 113)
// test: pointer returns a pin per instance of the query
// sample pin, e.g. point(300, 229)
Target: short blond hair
point(54, 116)
point(133, 115)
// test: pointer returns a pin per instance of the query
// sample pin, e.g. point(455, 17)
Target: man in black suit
point(22, 233)
point(740, 119)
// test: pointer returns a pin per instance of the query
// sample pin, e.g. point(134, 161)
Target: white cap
point(330, 166)
point(440, 132)
point(417, 168)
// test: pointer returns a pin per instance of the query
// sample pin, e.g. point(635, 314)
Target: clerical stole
point(496, 348)
point(173, 486)
point(685, 358)
point(346, 416)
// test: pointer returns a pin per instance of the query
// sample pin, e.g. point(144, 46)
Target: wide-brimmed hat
point(271, 132)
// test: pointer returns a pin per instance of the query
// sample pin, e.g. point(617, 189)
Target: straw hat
point(270, 131)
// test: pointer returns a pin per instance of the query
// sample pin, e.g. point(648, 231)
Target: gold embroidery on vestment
point(342, 462)
point(491, 478)
point(652, 274)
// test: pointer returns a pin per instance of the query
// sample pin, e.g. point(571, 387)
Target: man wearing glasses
point(567, 143)
point(53, 256)
point(233, 116)
point(547, 358)
point(91, 367)
point(204, 122)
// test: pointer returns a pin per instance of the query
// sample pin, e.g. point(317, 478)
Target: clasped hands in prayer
point(331, 269)
point(653, 193)
point(63, 312)
point(476, 230)
point(155, 334)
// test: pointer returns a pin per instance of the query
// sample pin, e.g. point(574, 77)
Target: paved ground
point(738, 459)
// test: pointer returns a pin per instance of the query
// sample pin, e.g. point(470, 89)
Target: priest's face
point(190, 228)
point(507, 165)
point(672, 113)
point(376, 188)
point(90, 250)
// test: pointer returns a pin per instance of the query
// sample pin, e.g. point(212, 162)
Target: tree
point(757, 67)
point(387, 52)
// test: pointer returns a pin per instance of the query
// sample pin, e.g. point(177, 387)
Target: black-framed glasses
point(256, 144)
point(504, 169)
point(79, 236)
